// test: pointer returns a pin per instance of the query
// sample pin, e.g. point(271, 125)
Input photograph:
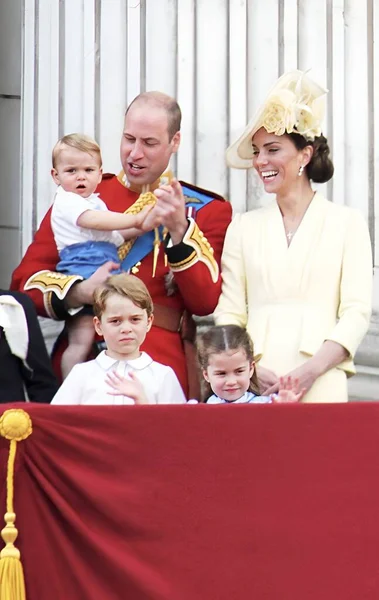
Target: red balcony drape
point(199, 502)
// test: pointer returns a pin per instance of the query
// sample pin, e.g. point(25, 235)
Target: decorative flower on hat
point(296, 103)
point(289, 111)
point(309, 119)
point(279, 114)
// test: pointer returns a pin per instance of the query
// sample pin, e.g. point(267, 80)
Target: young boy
point(122, 374)
point(87, 235)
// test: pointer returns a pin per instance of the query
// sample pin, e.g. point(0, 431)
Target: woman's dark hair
point(320, 168)
point(222, 338)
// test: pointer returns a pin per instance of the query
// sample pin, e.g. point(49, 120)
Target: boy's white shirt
point(86, 383)
point(67, 209)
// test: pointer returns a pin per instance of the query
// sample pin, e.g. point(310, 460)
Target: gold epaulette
point(51, 282)
point(202, 251)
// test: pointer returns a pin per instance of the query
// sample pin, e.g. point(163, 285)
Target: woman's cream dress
point(293, 298)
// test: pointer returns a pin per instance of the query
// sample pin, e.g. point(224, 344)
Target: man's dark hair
point(169, 104)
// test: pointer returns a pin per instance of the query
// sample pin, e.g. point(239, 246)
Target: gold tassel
point(15, 425)
point(157, 243)
point(164, 233)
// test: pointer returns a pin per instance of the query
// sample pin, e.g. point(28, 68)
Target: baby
point(87, 235)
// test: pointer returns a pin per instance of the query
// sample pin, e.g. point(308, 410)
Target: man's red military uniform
point(195, 264)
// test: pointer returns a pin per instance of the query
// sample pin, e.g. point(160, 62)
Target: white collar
point(107, 362)
point(242, 400)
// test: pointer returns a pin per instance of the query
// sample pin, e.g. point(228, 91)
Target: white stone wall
point(84, 60)
point(10, 119)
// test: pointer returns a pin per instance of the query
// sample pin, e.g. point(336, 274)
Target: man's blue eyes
point(146, 142)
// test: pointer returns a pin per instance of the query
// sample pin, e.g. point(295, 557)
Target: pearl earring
point(301, 169)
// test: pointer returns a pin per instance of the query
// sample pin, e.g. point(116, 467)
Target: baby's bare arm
point(110, 221)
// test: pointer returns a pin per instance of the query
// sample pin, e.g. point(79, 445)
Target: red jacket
point(197, 281)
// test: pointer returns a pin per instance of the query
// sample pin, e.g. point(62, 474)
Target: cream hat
point(296, 103)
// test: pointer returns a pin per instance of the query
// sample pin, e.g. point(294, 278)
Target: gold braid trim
point(187, 262)
point(48, 304)
point(142, 201)
point(15, 425)
point(50, 281)
point(204, 252)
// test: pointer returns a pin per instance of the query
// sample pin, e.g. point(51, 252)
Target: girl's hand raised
point(288, 391)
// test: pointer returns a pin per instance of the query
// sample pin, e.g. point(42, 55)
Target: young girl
point(226, 357)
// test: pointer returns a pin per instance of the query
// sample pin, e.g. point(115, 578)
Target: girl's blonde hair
point(222, 338)
point(78, 141)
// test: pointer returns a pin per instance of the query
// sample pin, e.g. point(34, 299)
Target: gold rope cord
point(15, 425)
point(143, 200)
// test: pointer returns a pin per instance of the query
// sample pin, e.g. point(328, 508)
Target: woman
point(298, 273)
point(25, 369)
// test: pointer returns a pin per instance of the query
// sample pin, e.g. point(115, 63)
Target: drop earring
point(301, 169)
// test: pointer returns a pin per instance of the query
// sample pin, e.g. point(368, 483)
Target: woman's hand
point(329, 355)
point(268, 381)
point(288, 391)
point(126, 387)
point(306, 375)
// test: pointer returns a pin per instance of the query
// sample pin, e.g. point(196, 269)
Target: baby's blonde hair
point(78, 141)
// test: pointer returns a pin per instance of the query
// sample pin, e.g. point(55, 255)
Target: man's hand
point(82, 293)
point(170, 209)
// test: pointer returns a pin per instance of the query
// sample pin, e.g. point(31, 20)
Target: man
point(179, 262)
